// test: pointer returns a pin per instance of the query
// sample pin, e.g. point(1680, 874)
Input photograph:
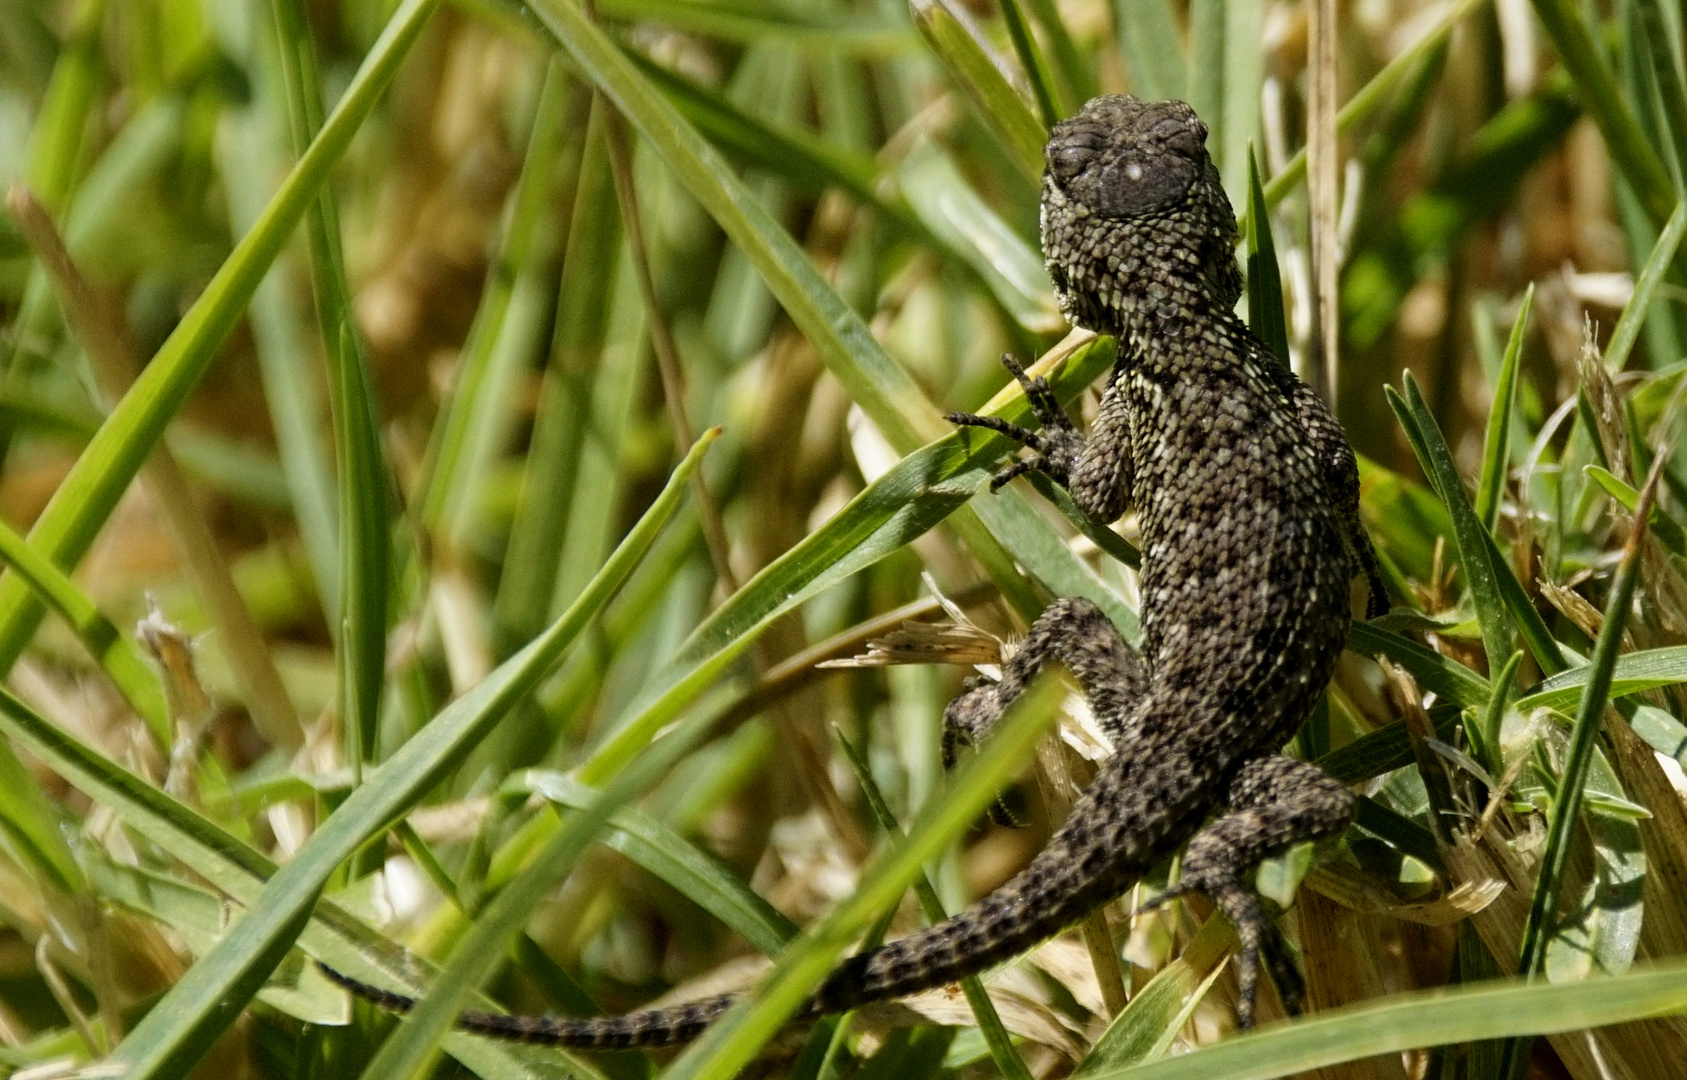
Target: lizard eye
point(1067, 160)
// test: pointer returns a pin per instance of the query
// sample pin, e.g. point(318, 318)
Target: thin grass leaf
point(1634, 673)
point(1646, 284)
point(1157, 1013)
point(86, 497)
point(1036, 69)
point(993, 99)
point(1265, 283)
point(239, 871)
point(410, 1050)
point(1434, 672)
point(194, 1012)
point(1496, 438)
point(1426, 1018)
point(365, 545)
point(733, 1041)
point(1474, 553)
point(874, 381)
point(750, 22)
point(1007, 1060)
point(1543, 904)
point(663, 852)
point(1668, 531)
point(110, 648)
point(1630, 150)
point(1151, 43)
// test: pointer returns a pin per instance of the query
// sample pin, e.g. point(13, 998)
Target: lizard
point(1246, 492)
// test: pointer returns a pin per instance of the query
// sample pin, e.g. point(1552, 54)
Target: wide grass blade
point(86, 497)
point(733, 1041)
point(996, 102)
point(1007, 1060)
point(1423, 1019)
point(182, 1026)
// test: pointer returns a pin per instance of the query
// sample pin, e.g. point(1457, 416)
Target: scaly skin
point(1247, 497)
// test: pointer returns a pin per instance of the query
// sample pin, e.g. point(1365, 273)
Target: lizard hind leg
point(1273, 803)
point(1076, 634)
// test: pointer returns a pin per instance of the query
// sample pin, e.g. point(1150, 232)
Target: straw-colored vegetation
point(441, 443)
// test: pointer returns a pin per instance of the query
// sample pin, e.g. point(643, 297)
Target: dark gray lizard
point(1247, 497)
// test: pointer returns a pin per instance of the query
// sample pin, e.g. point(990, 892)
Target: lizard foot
point(1054, 449)
point(1261, 942)
point(967, 721)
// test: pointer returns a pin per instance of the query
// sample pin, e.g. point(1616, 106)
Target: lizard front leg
point(1097, 470)
point(1274, 803)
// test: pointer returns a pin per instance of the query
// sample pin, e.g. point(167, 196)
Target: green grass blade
point(876, 382)
point(86, 497)
point(1157, 1013)
point(1426, 1018)
point(1049, 101)
point(1151, 43)
point(1630, 150)
point(733, 1041)
point(1645, 288)
point(411, 1049)
point(194, 1012)
point(1007, 1060)
point(1566, 806)
point(1496, 438)
point(1445, 677)
point(995, 102)
point(236, 869)
point(477, 413)
point(1265, 282)
point(663, 852)
point(1668, 531)
point(364, 544)
point(1474, 553)
point(113, 651)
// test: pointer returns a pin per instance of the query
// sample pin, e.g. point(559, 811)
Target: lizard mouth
point(1124, 158)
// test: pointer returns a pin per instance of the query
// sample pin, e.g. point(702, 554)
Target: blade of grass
point(669, 856)
point(86, 497)
point(365, 545)
point(238, 870)
point(1646, 284)
point(1474, 554)
point(194, 1012)
point(410, 1050)
point(1036, 69)
point(1596, 85)
point(1496, 438)
point(1007, 1060)
point(1426, 1018)
point(996, 103)
point(733, 1041)
point(1265, 282)
point(114, 652)
point(1543, 903)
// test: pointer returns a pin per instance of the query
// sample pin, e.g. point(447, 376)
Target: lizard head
point(1131, 200)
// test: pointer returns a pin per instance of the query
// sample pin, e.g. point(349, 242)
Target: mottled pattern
point(1247, 498)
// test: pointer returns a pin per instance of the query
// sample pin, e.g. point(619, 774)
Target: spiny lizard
point(1247, 497)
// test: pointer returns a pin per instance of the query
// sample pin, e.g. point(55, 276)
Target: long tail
point(1142, 806)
